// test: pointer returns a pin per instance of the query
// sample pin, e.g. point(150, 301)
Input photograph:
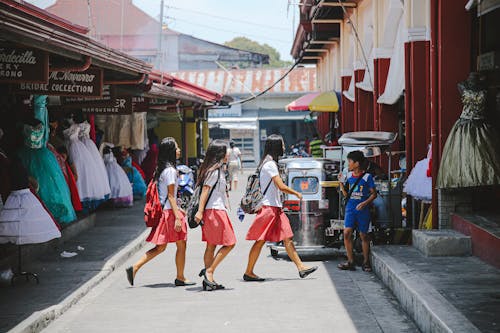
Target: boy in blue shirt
point(360, 194)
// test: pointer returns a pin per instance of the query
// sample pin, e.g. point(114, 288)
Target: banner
point(120, 105)
point(140, 104)
point(105, 99)
point(21, 64)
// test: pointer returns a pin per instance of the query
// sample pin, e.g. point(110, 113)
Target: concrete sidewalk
point(106, 245)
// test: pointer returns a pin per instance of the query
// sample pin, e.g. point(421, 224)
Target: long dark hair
point(273, 147)
point(167, 156)
point(216, 152)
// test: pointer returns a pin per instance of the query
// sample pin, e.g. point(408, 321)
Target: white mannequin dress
point(418, 185)
point(23, 220)
point(121, 189)
point(91, 188)
point(101, 173)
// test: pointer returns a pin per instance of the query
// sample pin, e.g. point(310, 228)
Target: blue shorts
point(357, 218)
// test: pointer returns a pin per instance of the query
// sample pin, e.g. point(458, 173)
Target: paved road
point(328, 301)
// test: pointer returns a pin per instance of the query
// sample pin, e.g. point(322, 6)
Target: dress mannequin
point(471, 155)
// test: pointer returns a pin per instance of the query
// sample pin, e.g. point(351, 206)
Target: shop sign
point(85, 84)
point(140, 104)
point(120, 105)
point(105, 99)
point(20, 64)
point(233, 111)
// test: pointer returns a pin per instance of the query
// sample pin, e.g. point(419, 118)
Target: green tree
point(246, 44)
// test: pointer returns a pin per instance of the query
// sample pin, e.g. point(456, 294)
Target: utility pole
point(121, 24)
point(160, 37)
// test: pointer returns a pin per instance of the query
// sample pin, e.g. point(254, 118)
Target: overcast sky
point(266, 21)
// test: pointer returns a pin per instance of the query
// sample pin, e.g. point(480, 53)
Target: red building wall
point(347, 112)
point(450, 63)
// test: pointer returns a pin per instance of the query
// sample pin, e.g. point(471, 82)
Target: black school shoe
point(306, 272)
point(249, 278)
point(180, 283)
point(130, 275)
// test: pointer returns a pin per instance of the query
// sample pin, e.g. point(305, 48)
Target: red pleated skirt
point(165, 232)
point(217, 229)
point(271, 224)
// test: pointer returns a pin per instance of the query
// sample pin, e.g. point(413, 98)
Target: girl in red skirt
point(217, 228)
point(271, 224)
point(172, 227)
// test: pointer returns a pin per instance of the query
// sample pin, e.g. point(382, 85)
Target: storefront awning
point(26, 24)
point(241, 123)
point(206, 94)
point(302, 103)
point(316, 102)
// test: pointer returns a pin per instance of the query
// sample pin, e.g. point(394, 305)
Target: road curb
point(41, 319)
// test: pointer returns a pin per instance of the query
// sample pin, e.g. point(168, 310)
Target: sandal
point(347, 266)
point(366, 267)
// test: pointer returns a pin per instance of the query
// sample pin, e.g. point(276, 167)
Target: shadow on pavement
point(200, 289)
point(59, 277)
point(370, 305)
point(159, 285)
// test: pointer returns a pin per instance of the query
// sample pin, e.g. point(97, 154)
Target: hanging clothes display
point(471, 155)
point(138, 184)
point(91, 188)
point(101, 173)
point(23, 219)
point(70, 178)
point(42, 165)
point(418, 184)
point(121, 188)
point(149, 163)
point(139, 169)
point(75, 196)
point(124, 130)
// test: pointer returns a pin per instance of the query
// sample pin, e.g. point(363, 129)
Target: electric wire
point(297, 62)
point(225, 18)
point(226, 30)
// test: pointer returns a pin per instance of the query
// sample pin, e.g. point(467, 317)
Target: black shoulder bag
point(346, 199)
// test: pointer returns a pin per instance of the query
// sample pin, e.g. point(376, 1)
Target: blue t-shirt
point(361, 192)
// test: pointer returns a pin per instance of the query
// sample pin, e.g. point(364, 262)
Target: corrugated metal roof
point(241, 82)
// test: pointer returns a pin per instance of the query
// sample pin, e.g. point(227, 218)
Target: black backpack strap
point(270, 182)
point(267, 187)
point(353, 187)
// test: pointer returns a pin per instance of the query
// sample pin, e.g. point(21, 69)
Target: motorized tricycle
point(318, 221)
point(316, 180)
